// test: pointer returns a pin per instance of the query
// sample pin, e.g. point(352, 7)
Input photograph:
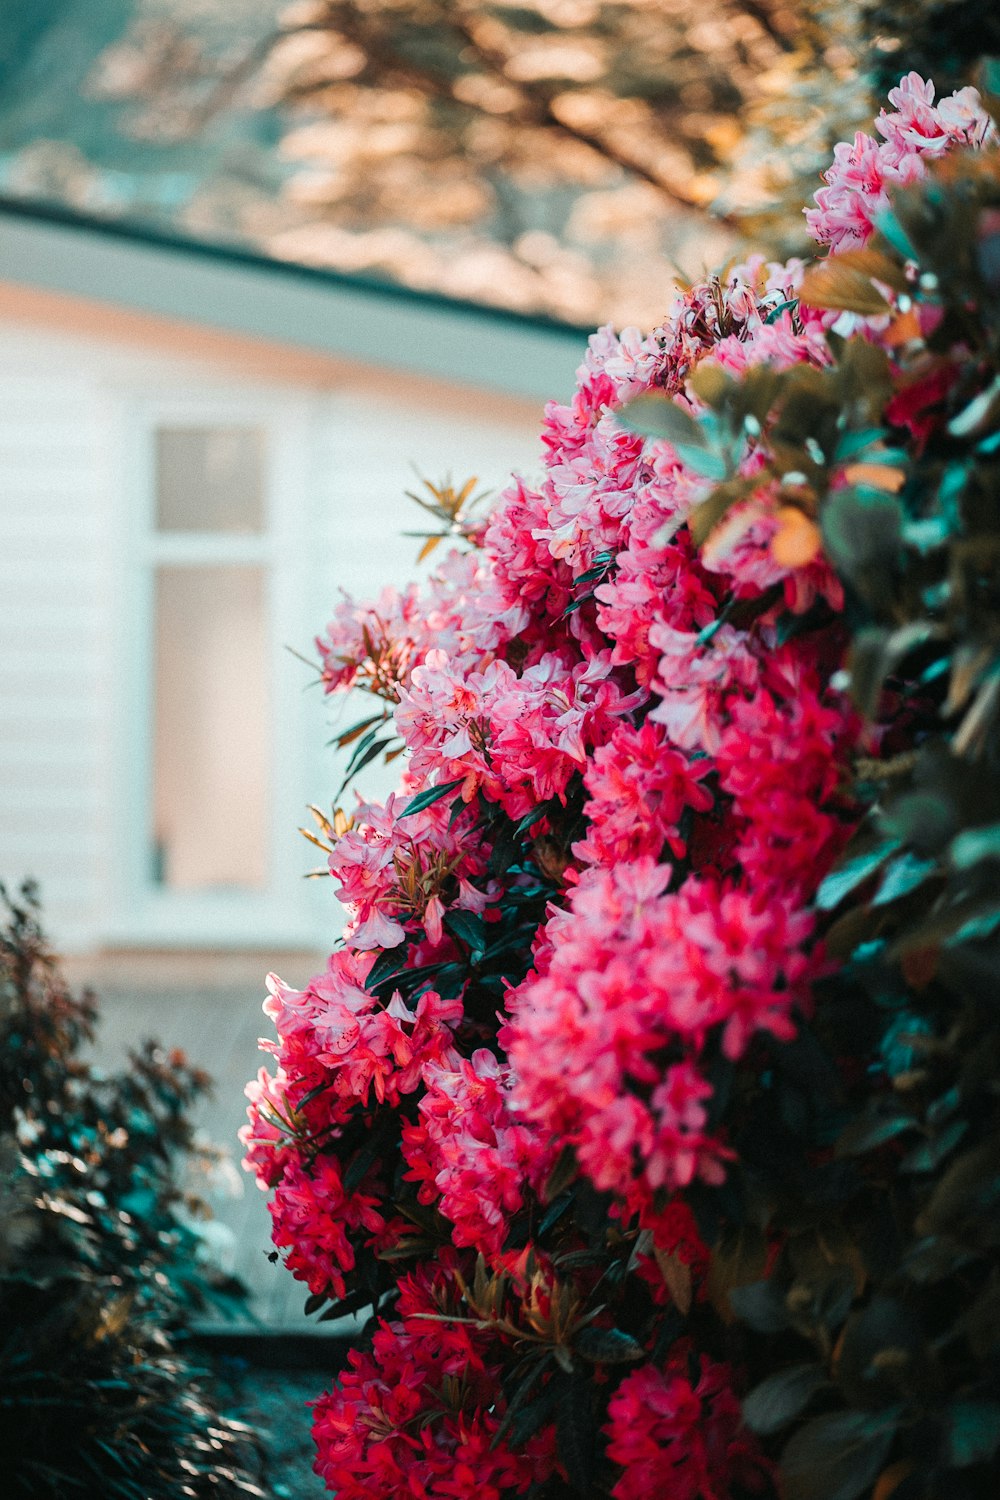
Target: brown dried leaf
point(677, 1279)
point(843, 283)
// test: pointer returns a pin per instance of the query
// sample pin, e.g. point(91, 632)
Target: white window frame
point(288, 912)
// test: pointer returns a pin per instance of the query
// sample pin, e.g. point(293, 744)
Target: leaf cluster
point(97, 1273)
point(876, 1331)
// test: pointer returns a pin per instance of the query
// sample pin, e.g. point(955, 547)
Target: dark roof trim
point(124, 229)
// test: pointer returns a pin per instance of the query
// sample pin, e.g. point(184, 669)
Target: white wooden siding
point(67, 601)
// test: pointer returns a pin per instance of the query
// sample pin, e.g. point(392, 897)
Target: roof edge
point(128, 230)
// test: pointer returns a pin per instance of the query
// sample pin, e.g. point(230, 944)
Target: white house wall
point(64, 504)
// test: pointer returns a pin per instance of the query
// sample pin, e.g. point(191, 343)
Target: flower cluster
point(680, 1438)
point(582, 937)
point(914, 131)
point(372, 1433)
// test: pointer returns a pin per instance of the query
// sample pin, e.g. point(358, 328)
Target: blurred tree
point(560, 156)
point(556, 156)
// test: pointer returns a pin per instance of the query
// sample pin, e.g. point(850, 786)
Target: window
point(209, 743)
point(213, 737)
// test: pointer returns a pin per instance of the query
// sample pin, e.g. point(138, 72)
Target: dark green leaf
point(775, 313)
point(390, 962)
point(534, 1415)
point(597, 570)
point(607, 1346)
point(348, 736)
point(359, 761)
point(563, 1174)
point(973, 1431)
point(930, 1154)
point(469, 929)
point(761, 1306)
point(781, 1397)
point(517, 1398)
point(836, 1457)
point(554, 1212)
point(862, 529)
point(872, 1130)
point(576, 1431)
point(878, 1352)
point(429, 796)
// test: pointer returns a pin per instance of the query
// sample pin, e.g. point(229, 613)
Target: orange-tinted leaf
point(903, 329)
point(920, 965)
point(891, 1478)
point(797, 541)
point(876, 477)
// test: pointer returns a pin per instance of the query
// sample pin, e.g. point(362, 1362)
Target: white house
point(198, 448)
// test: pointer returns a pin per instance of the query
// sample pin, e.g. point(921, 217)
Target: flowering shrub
point(651, 1099)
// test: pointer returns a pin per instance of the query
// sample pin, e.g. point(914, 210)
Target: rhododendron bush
point(651, 1098)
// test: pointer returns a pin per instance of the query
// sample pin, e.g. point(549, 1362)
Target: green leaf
point(702, 461)
point(875, 653)
point(781, 1397)
point(905, 874)
point(779, 308)
point(852, 872)
point(974, 845)
point(576, 1431)
point(657, 416)
point(563, 1174)
point(930, 1154)
point(760, 1305)
point(836, 1457)
point(850, 444)
point(533, 1416)
point(924, 818)
point(469, 929)
point(861, 529)
point(607, 1346)
point(871, 1131)
point(597, 569)
point(705, 517)
point(893, 232)
point(429, 796)
point(390, 963)
point(973, 1431)
point(517, 1399)
point(359, 761)
point(350, 735)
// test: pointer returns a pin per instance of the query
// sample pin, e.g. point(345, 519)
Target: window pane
point(210, 751)
point(210, 479)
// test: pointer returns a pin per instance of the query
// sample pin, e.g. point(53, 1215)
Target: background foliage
point(97, 1276)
